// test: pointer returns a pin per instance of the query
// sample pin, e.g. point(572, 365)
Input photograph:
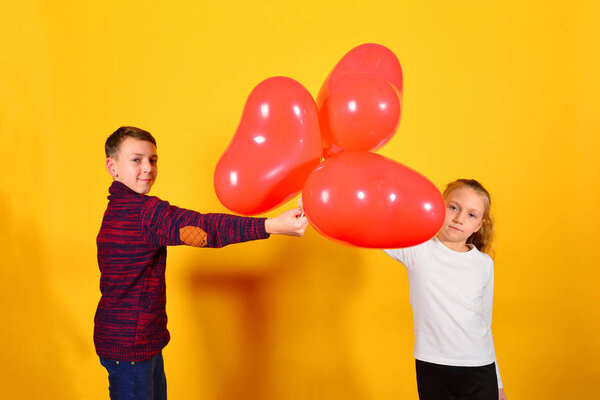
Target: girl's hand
point(501, 395)
point(291, 223)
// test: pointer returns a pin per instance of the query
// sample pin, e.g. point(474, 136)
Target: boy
point(131, 322)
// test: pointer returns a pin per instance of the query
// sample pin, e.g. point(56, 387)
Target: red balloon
point(367, 200)
point(367, 58)
point(361, 112)
point(276, 146)
point(341, 87)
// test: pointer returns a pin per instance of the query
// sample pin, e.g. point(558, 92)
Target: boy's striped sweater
point(131, 319)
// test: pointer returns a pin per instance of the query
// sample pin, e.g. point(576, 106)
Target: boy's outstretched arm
point(291, 223)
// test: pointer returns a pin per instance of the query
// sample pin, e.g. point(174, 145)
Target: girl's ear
point(479, 227)
point(111, 168)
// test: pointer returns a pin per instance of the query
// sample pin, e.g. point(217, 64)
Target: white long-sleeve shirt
point(451, 294)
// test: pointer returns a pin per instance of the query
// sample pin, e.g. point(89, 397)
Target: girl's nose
point(458, 217)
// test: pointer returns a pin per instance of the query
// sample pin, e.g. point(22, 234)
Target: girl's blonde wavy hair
point(482, 239)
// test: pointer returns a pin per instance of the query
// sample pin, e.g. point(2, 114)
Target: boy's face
point(135, 166)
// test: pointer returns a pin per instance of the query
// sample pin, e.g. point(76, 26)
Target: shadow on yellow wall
point(271, 333)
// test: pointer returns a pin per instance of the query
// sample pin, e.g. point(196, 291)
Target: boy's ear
point(110, 167)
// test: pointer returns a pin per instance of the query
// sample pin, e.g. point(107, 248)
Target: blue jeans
point(143, 380)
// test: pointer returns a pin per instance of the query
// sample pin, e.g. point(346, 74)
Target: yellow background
point(503, 91)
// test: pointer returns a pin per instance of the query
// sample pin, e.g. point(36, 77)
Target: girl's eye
point(153, 161)
point(453, 208)
point(136, 160)
point(472, 215)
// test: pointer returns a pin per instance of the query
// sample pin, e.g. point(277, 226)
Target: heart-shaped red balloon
point(370, 58)
point(367, 200)
point(361, 112)
point(344, 125)
point(276, 146)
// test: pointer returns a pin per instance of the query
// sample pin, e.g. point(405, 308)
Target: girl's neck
point(460, 247)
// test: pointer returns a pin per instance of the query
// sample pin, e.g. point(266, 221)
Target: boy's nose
point(146, 166)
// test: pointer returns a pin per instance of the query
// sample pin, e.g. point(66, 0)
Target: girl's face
point(464, 215)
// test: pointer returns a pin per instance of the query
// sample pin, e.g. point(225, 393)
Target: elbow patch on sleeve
point(193, 236)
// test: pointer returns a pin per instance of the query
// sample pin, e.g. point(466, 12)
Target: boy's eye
point(136, 160)
point(153, 161)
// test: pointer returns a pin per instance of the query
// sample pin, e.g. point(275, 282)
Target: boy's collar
point(117, 188)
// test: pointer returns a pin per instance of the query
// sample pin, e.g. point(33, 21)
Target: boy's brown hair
point(111, 147)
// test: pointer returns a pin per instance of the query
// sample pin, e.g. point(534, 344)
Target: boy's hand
point(300, 206)
point(291, 223)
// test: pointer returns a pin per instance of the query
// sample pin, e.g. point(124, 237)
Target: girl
point(451, 282)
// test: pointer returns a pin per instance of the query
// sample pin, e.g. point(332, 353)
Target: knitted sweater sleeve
point(165, 225)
